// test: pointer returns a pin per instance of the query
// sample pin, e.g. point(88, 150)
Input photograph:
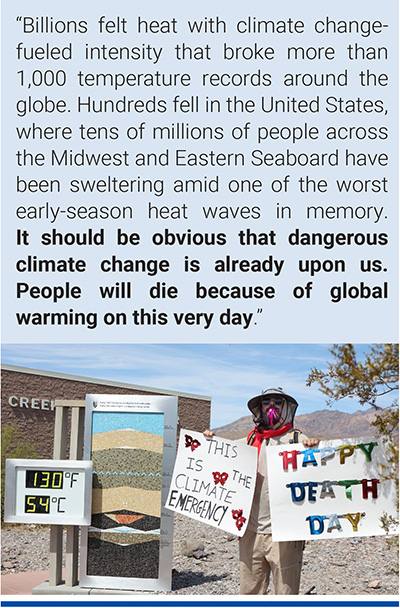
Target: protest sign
point(213, 481)
point(335, 490)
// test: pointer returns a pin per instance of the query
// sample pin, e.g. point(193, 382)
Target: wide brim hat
point(255, 402)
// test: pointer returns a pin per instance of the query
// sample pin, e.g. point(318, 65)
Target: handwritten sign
point(334, 490)
point(213, 481)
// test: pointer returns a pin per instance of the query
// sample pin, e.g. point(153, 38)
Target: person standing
point(273, 414)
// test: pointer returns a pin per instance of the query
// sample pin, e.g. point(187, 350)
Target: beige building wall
point(28, 397)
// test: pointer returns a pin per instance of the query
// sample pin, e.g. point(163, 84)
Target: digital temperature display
point(37, 504)
point(44, 479)
point(48, 491)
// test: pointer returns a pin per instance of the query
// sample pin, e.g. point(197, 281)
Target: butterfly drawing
point(191, 443)
point(220, 478)
point(238, 515)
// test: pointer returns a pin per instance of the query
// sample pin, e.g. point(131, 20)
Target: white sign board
point(335, 490)
point(213, 481)
point(48, 491)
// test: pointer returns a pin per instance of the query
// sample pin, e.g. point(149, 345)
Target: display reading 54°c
point(48, 491)
point(37, 504)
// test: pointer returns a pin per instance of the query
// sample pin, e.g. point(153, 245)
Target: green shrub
point(13, 445)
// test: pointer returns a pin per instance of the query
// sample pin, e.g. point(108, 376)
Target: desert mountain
point(322, 424)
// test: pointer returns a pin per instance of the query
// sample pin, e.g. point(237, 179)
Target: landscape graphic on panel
point(127, 453)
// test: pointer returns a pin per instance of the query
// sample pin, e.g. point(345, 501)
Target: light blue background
point(283, 319)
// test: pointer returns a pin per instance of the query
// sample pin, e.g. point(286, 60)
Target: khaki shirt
point(260, 515)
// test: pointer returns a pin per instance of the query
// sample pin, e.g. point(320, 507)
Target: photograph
point(201, 456)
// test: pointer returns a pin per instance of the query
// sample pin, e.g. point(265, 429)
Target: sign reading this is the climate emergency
point(213, 481)
point(335, 490)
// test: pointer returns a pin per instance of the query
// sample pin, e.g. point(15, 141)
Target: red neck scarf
point(256, 437)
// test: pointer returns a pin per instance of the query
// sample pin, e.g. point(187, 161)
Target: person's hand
point(208, 433)
point(310, 443)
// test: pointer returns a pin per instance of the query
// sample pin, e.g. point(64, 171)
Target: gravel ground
point(361, 566)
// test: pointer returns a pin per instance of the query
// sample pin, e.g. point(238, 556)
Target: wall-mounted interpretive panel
point(132, 442)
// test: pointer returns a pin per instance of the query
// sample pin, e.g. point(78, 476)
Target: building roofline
point(147, 389)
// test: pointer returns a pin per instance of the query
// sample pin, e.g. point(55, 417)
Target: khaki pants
point(259, 556)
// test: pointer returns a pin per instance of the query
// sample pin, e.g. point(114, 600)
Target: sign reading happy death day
point(335, 490)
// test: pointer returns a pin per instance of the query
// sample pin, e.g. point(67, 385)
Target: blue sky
point(229, 373)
